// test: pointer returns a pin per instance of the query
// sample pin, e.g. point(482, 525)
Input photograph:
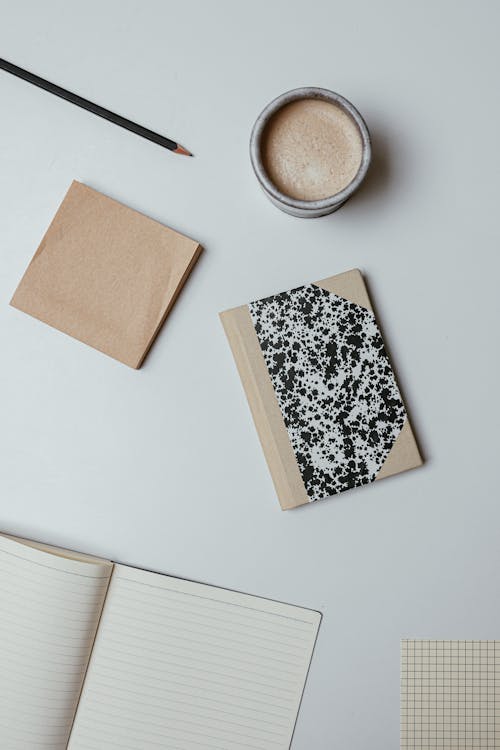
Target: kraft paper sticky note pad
point(321, 389)
point(450, 695)
point(106, 274)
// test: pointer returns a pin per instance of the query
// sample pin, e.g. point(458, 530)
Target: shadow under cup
point(310, 151)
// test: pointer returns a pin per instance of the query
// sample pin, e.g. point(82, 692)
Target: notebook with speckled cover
point(322, 392)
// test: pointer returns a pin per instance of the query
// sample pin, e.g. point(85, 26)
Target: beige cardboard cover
point(265, 408)
point(106, 274)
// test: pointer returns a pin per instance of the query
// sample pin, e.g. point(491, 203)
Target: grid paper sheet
point(450, 694)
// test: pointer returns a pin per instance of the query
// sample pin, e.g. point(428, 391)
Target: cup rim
point(308, 92)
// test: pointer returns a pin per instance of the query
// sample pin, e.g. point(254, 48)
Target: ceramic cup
point(298, 206)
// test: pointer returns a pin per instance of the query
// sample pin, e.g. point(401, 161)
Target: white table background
point(162, 467)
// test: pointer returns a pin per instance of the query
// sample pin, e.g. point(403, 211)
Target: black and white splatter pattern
point(334, 385)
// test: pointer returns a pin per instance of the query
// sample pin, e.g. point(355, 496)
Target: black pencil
point(91, 107)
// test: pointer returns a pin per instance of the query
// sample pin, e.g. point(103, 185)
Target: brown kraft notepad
point(321, 389)
point(106, 274)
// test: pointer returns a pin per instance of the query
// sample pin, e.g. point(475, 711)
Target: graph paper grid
point(450, 695)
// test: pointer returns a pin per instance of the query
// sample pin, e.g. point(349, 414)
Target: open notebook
point(97, 655)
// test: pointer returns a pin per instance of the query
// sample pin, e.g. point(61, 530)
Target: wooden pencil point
point(181, 150)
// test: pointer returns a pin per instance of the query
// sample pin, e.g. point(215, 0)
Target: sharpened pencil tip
point(181, 150)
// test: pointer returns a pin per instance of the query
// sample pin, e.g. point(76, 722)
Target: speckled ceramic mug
point(298, 206)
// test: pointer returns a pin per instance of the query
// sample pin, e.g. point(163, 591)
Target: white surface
point(162, 467)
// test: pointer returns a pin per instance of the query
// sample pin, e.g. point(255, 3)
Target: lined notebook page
point(49, 610)
point(185, 666)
